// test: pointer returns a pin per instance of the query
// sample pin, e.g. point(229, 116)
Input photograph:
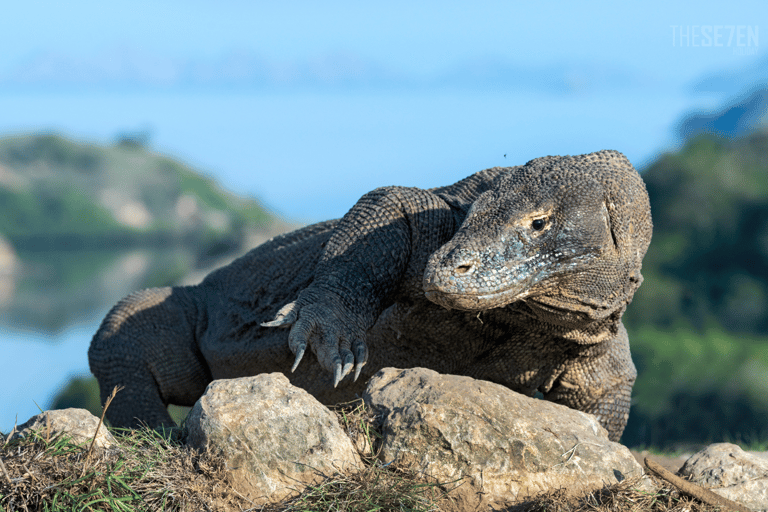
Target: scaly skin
point(515, 275)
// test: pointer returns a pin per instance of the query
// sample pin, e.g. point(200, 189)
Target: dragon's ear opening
point(610, 223)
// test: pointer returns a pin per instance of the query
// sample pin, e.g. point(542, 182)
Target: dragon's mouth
point(519, 280)
point(470, 293)
point(477, 301)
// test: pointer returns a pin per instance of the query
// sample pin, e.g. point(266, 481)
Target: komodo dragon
point(514, 275)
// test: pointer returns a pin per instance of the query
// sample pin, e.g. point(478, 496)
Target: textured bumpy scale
point(516, 275)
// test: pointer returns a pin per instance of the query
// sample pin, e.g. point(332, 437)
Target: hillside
point(82, 224)
point(708, 261)
point(699, 323)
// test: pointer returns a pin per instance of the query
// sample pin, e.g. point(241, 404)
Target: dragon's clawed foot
point(337, 345)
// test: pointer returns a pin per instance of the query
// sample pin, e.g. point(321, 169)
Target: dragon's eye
point(538, 224)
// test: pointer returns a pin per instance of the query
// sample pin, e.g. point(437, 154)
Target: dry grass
point(149, 471)
point(145, 472)
point(622, 497)
point(371, 490)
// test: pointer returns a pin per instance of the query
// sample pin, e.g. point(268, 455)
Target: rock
point(78, 424)
point(503, 446)
point(9, 268)
point(732, 473)
point(276, 438)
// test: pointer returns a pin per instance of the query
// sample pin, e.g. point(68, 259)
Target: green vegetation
point(699, 323)
point(708, 260)
point(72, 212)
point(58, 191)
point(47, 211)
point(695, 387)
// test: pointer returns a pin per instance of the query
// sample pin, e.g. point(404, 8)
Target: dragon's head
point(566, 232)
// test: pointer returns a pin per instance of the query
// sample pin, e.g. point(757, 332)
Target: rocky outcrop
point(501, 446)
point(78, 424)
point(9, 267)
point(491, 446)
point(276, 438)
point(729, 471)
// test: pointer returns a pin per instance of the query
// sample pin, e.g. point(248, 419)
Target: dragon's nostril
point(463, 269)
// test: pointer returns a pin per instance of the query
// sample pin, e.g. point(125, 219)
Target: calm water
point(36, 366)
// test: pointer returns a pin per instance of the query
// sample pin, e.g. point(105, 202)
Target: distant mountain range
point(732, 82)
point(745, 110)
point(124, 69)
point(741, 116)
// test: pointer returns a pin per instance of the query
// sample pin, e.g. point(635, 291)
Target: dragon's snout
point(464, 280)
point(453, 273)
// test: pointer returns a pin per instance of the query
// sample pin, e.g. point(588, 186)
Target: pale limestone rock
point(729, 471)
point(503, 446)
point(78, 424)
point(9, 268)
point(276, 438)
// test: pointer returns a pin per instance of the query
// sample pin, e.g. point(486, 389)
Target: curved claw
point(285, 317)
point(347, 368)
point(361, 356)
point(297, 342)
point(299, 354)
point(337, 375)
point(358, 368)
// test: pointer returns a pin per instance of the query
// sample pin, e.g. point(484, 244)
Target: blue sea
point(36, 366)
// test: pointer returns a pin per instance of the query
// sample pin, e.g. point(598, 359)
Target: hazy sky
point(307, 105)
point(413, 37)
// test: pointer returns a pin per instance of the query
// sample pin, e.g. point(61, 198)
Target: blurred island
point(84, 224)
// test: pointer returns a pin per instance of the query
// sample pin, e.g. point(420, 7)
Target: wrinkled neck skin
point(577, 326)
point(554, 316)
